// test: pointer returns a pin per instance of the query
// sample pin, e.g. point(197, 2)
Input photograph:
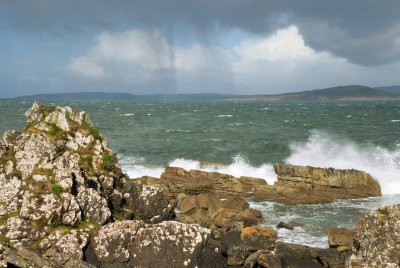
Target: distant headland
point(348, 92)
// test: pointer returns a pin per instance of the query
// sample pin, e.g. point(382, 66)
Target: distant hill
point(391, 89)
point(352, 92)
point(126, 96)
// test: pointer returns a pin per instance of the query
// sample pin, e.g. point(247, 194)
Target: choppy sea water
point(249, 137)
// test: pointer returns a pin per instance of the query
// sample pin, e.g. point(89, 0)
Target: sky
point(208, 46)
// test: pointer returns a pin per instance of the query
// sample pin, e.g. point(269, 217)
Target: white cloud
point(276, 63)
point(285, 44)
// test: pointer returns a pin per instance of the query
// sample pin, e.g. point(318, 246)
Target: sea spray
point(135, 167)
point(327, 150)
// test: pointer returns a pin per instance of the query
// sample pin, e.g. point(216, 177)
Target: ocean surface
point(249, 136)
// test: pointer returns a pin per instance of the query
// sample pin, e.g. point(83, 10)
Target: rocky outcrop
point(59, 182)
point(301, 185)
point(172, 244)
point(193, 182)
point(377, 239)
point(212, 211)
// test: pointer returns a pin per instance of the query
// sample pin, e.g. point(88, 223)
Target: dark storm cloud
point(363, 31)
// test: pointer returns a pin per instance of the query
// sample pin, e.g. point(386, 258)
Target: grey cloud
point(363, 31)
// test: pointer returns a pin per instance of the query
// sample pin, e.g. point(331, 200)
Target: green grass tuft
point(384, 211)
point(56, 189)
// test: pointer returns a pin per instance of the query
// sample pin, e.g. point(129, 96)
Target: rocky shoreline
point(64, 202)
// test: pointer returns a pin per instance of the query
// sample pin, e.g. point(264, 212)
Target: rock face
point(301, 185)
point(172, 244)
point(377, 239)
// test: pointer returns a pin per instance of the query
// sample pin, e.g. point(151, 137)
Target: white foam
point(135, 168)
point(395, 120)
point(225, 115)
point(326, 150)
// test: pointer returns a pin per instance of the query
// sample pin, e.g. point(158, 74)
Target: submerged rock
point(303, 185)
point(377, 239)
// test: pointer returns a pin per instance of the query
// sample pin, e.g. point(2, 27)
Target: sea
point(249, 136)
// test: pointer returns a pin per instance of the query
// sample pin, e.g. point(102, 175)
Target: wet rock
point(304, 184)
point(135, 244)
point(340, 238)
point(285, 225)
point(377, 239)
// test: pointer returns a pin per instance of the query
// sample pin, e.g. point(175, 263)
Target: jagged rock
point(210, 210)
point(377, 239)
point(301, 185)
point(59, 171)
point(136, 244)
point(340, 238)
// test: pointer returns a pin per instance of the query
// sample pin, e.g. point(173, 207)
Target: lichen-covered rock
point(210, 210)
point(59, 171)
point(137, 244)
point(258, 238)
point(377, 239)
point(304, 184)
point(148, 203)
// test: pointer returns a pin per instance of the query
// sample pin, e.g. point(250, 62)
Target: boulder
point(340, 238)
point(210, 210)
point(377, 239)
point(136, 244)
point(304, 184)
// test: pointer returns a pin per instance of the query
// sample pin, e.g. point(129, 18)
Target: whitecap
point(225, 115)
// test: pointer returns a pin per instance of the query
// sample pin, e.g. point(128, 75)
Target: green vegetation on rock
point(384, 211)
point(56, 189)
